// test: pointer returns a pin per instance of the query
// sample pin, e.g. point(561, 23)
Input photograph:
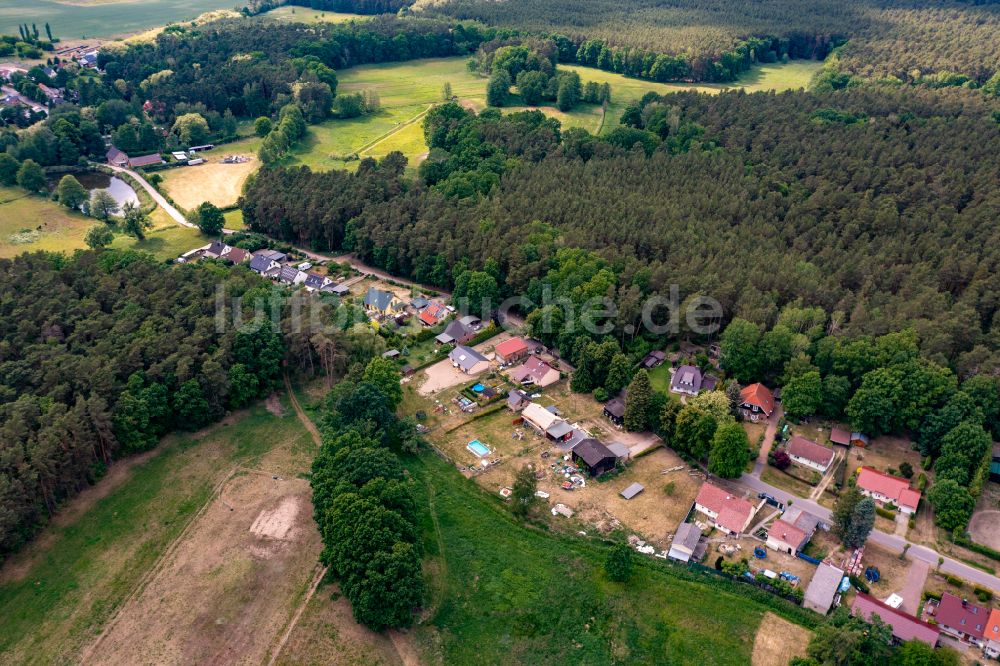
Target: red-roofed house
point(786, 538)
point(884, 488)
point(992, 635)
point(904, 627)
point(729, 513)
point(810, 454)
point(432, 314)
point(756, 402)
point(961, 619)
point(535, 372)
point(840, 436)
point(511, 351)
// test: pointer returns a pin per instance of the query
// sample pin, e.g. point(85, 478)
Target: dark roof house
point(145, 160)
point(597, 458)
point(614, 409)
point(686, 380)
point(455, 332)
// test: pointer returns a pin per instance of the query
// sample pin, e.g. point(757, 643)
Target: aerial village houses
point(992, 635)
point(809, 454)
point(728, 513)
point(381, 302)
point(886, 489)
point(790, 533)
point(535, 372)
point(822, 590)
point(454, 333)
point(432, 313)
point(756, 402)
point(904, 627)
point(614, 409)
point(266, 261)
point(468, 360)
point(686, 380)
point(512, 351)
point(538, 417)
point(961, 619)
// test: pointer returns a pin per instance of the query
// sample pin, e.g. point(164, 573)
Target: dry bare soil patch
point(778, 641)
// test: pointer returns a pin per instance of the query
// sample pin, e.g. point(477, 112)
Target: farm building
point(886, 489)
point(535, 372)
point(756, 402)
point(559, 431)
point(468, 360)
point(117, 158)
point(512, 351)
point(686, 380)
point(728, 513)
point(809, 454)
point(597, 458)
point(905, 627)
point(823, 588)
point(684, 546)
point(145, 160)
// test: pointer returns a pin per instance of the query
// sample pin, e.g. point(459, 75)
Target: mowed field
point(76, 19)
point(197, 552)
point(213, 181)
point(291, 14)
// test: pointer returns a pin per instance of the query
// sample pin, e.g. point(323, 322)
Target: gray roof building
point(467, 359)
point(378, 299)
point(686, 379)
point(685, 542)
point(823, 588)
point(456, 332)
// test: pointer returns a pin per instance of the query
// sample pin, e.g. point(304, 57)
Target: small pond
point(95, 180)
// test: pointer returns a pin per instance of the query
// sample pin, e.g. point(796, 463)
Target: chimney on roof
point(965, 602)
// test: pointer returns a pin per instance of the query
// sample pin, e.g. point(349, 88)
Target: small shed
point(632, 490)
point(593, 455)
point(840, 436)
point(823, 588)
point(614, 409)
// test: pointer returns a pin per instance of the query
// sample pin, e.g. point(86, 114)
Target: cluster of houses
point(120, 158)
point(588, 452)
point(271, 264)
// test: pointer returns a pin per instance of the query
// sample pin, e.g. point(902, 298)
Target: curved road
point(157, 197)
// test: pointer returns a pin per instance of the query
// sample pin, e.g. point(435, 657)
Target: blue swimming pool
point(478, 448)
point(478, 388)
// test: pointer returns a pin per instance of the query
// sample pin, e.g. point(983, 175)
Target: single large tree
point(384, 374)
point(803, 395)
point(102, 205)
point(135, 221)
point(498, 88)
point(694, 431)
point(191, 129)
point(618, 564)
point(730, 451)
point(98, 236)
point(210, 219)
point(953, 505)
point(637, 402)
point(740, 350)
point(843, 511)
point(31, 177)
point(8, 169)
point(70, 192)
point(862, 522)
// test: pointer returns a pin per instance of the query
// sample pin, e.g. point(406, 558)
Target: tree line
point(103, 354)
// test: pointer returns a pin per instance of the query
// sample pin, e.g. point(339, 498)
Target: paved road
point(157, 197)
point(890, 542)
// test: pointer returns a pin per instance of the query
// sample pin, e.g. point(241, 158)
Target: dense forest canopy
point(880, 206)
point(100, 355)
point(886, 37)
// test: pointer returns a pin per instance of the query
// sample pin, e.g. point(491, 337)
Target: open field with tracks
point(146, 541)
point(213, 181)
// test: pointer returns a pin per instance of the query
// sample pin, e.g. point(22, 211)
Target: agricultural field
point(81, 19)
point(148, 531)
point(213, 181)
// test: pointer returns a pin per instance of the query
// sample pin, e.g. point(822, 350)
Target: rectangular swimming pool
point(478, 448)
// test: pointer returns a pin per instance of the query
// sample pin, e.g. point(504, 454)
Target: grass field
point(31, 222)
point(290, 14)
point(504, 593)
point(58, 593)
point(213, 181)
point(407, 89)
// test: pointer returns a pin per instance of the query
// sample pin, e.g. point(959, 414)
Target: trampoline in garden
point(478, 448)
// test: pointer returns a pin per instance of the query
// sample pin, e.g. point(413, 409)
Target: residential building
point(992, 635)
point(517, 400)
point(886, 489)
point(614, 409)
point(315, 281)
point(215, 250)
point(729, 514)
point(291, 275)
point(535, 372)
point(512, 351)
point(904, 627)
point(653, 359)
point(756, 402)
point(559, 431)
point(382, 302)
point(236, 255)
point(686, 380)
point(454, 333)
point(822, 590)
point(433, 313)
point(809, 454)
point(263, 261)
point(117, 158)
point(538, 417)
point(786, 537)
point(53, 96)
point(594, 456)
point(685, 542)
point(468, 360)
point(961, 619)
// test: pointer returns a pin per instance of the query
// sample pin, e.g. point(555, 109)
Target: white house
point(809, 454)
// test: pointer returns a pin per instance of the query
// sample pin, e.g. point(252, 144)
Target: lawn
point(234, 220)
point(215, 182)
point(165, 240)
point(31, 222)
point(56, 594)
point(505, 593)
